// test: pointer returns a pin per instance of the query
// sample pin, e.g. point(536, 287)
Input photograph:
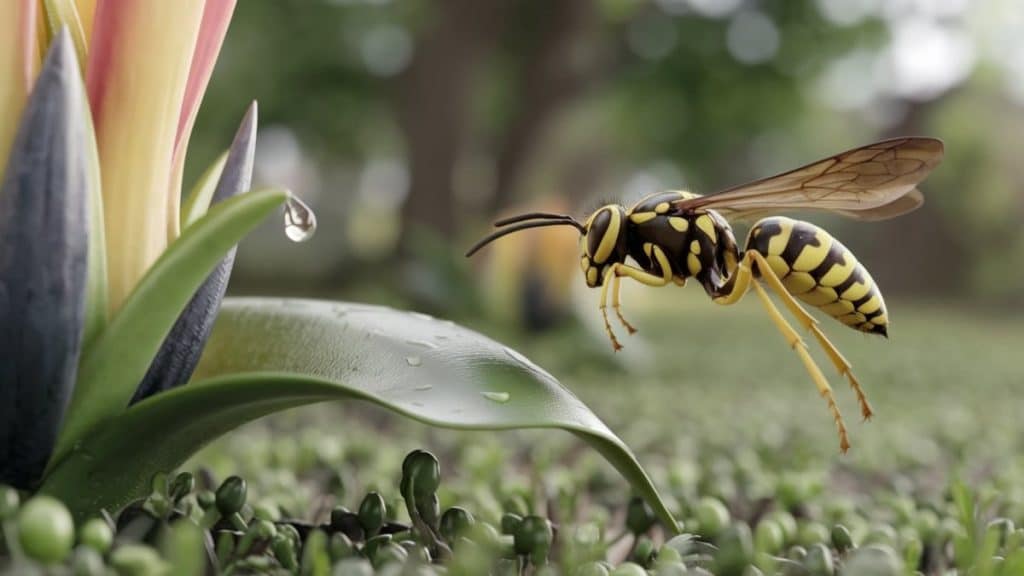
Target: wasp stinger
point(675, 235)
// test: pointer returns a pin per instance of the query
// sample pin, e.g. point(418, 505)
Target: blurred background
point(410, 125)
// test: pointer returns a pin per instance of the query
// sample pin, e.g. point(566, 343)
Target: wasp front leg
point(614, 274)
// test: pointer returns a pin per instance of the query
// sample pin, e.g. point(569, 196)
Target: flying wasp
point(675, 235)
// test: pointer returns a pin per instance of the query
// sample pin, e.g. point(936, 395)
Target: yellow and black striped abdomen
point(818, 269)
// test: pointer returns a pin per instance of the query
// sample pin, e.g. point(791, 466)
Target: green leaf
point(113, 366)
point(199, 198)
point(269, 355)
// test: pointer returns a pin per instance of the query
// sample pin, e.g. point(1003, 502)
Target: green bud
point(371, 545)
point(735, 549)
point(510, 522)
point(643, 551)
point(811, 533)
point(785, 521)
point(533, 538)
point(137, 560)
point(265, 510)
point(667, 555)
point(340, 546)
point(421, 470)
point(96, 534)
point(9, 501)
point(231, 496)
point(484, 534)
point(712, 516)
point(880, 534)
point(591, 569)
point(353, 567)
point(628, 569)
point(639, 516)
point(797, 553)
point(873, 560)
point(85, 561)
point(841, 538)
point(284, 552)
point(315, 558)
point(206, 499)
point(372, 513)
point(45, 530)
point(455, 522)
point(819, 561)
point(225, 547)
point(390, 553)
point(181, 486)
point(768, 536)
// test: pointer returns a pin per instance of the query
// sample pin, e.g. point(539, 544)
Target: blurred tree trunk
point(555, 69)
point(434, 107)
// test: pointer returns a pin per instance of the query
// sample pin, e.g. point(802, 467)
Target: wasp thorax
point(604, 243)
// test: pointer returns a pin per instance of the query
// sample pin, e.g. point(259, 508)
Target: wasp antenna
point(533, 216)
point(522, 226)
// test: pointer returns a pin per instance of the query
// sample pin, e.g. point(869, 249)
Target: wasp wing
point(873, 182)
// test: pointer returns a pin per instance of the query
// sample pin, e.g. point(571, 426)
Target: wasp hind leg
point(739, 287)
point(808, 322)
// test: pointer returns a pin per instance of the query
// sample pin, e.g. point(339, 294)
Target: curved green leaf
point(268, 355)
point(117, 360)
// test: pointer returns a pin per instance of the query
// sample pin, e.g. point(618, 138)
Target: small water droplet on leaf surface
point(500, 397)
point(299, 220)
point(413, 360)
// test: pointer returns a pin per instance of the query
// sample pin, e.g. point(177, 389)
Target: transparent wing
point(873, 182)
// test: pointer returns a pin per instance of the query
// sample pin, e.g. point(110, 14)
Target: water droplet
point(413, 360)
point(422, 344)
point(299, 220)
point(499, 397)
point(423, 388)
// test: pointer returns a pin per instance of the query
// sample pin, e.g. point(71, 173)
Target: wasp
point(669, 237)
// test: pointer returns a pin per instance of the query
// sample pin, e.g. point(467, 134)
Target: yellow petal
point(139, 60)
point(18, 60)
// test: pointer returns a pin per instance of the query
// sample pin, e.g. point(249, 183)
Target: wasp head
point(603, 243)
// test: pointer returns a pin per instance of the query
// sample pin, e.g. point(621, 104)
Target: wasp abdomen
point(818, 269)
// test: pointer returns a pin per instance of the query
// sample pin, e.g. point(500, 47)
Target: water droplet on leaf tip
point(413, 360)
point(299, 220)
point(500, 397)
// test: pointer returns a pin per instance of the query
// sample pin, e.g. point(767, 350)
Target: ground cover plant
point(743, 460)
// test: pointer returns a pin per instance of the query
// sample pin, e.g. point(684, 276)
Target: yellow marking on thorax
point(680, 224)
point(591, 275)
point(662, 207)
point(610, 238)
point(647, 248)
point(810, 256)
point(693, 263)
point(707, 227)
point(584, 264)
point(695, 247)
point(641, 217)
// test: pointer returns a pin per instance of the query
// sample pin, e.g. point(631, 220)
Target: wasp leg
point(609, 277)
point(614, 274)
point(617, 307)
point(800, 348)
point(739, 287)
point(809, 323)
